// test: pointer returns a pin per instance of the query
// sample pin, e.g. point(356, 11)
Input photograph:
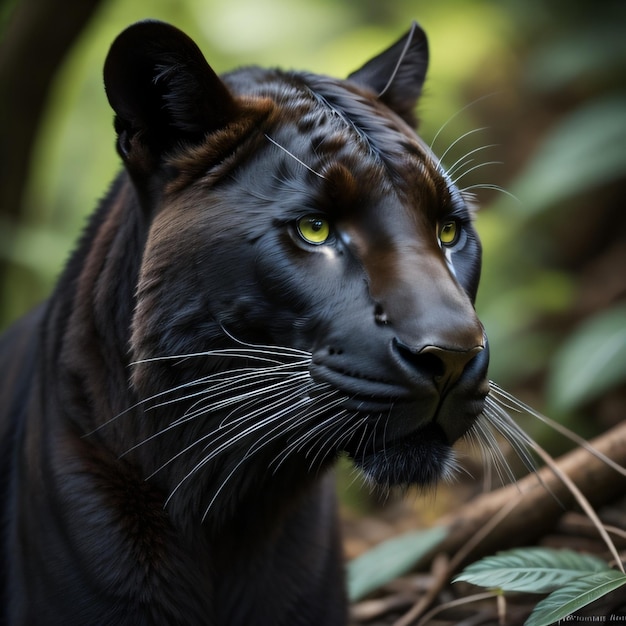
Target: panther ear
point(162, 90)
point(397, 74)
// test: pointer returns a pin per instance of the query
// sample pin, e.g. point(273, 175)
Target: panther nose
point(444, 366)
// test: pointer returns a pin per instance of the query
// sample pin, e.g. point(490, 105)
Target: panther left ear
point(163, 92)
point(397, 75)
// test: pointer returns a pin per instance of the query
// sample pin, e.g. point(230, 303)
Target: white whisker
point(455, 115)
point(294, 157)
point(458, 140)
point(238, 380)
point(256, 447)
point(260, 354)
point(462, 161)
point(285, 397)
point(221, 436)
point(493, 188)
point(517, 438)
point(330, 442)
point(286, 350)
point(257, 354)
point(363, 443)
point(517, 405)
point(259, 445)
point(209, 403)
point(241, 400)
point(253, 428)
point(472, 169)
point(299, 443)
point(489, 446)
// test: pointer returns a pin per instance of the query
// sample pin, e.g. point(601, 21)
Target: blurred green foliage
point(544, 79)
point(555, 262)
point(592, 360)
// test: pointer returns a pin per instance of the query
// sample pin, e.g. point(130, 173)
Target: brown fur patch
point(198, 161)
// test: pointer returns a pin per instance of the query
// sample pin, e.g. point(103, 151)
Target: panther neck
point(90, 312)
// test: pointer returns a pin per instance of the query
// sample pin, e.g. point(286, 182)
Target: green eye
point(314, 229)
point(448, 233)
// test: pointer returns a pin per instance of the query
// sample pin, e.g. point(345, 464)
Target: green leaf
point(592, 361)
point(531, 570)
point(575, 595)
point(389, 560)
point(583, 151)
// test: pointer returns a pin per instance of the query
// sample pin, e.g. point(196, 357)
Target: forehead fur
point(339, 117)
point(336, 122)
point(310, 97)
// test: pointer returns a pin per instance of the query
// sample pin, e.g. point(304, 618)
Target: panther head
point(308, 279)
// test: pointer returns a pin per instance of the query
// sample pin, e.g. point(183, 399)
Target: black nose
point(444, 366)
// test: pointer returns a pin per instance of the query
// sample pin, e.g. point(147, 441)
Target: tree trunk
point(38, 35)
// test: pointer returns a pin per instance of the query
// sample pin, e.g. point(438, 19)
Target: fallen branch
point(540, 500)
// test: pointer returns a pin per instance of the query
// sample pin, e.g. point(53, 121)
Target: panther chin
point(420, 459)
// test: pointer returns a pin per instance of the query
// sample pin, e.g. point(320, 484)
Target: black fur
point(171, 414)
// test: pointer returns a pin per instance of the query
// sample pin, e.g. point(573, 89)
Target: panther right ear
point(397, 75)
point(163, 92)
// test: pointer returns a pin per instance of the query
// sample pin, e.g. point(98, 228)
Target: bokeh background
point(526, 98)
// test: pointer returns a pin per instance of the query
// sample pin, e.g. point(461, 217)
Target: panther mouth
point(407, 433)
point(421, 459)
point(409, 408)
